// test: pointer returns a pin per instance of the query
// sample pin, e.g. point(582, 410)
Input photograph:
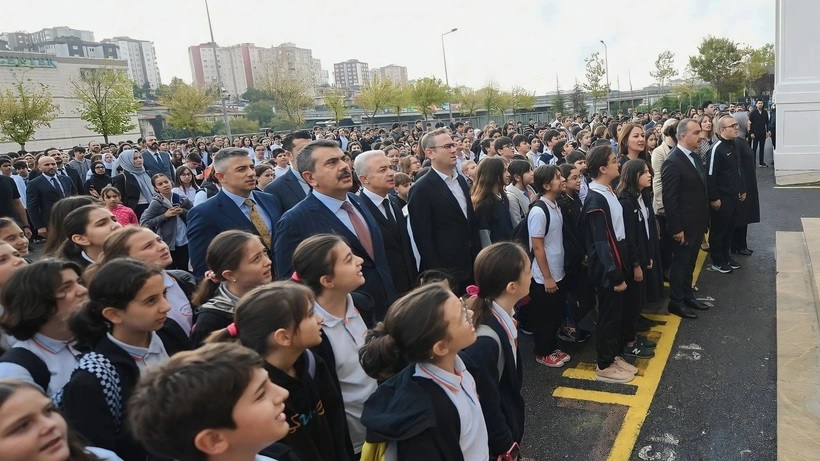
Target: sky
point(523, 43)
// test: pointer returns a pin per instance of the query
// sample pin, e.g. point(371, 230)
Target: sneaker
point(638, 352)
point(734, 264)
point(551, 360)
point(573, 335)
point(646, 343)
point(613, 374)
point(723, 268)
point(625, 366)
point(562, 355)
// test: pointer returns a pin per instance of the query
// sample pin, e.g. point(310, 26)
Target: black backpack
point(521, 232)
point(34, 365)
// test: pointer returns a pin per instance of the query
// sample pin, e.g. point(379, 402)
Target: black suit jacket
point(446, 240)
point(79, 183)
point(684, 195)
point(286, 191)
point(151, 165)
point(396, 245)
point(41, 197)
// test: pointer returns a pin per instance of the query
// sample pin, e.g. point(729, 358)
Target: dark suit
point(687, 210)
point(310, 217)
point(446, 240)
point(41, 196)
point(396, 245)
point(149, 162)
point(218, 214)
point(72, 174)
point(286, 191)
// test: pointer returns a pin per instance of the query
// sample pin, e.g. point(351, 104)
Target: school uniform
point(639, 253)
point(493, 220)
point(48, 363)
point(215, 314)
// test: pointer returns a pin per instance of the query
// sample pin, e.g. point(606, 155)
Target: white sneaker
point(613, 374)
point(625, 366)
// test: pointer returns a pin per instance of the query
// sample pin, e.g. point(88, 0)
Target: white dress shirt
point(452, 183)
point(615, 208)
point(60, 358)
point(144, 357)
point(378, 201)
point(335, 207)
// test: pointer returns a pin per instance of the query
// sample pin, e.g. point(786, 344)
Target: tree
point(375, 96)
point(239, 125)
point(254, 95)
point(24, 108)
point(664, 68)
point(290, 95)
point(107, 101)
point(260, 111)
point(578, 100)
point(558, 101)
point(185, 105)
point(400, 98)
point(335, 102)
point(469, 100)
point(167, 91)
point(594, 73)
point(757, 63)
point(521, 99)
point(719, 63)
point(492, 99)
point(427, 93)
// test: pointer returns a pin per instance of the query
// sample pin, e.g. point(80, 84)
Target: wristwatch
point(512, 453)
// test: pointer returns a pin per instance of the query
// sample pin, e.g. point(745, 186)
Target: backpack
point(102, 368)
point(521, 232)
point(34, 365)
point(484, 330)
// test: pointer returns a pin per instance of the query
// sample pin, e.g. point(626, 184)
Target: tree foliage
point(559, 103)
point(469, 100)
point(719, 63)
point(185, 105)
point(664, 68)
point(260, 111)
point(578, 100)
point(428, 93)
point(595, 85)
point(254, 95)
point(335, 102)
point(239, 125)
point(400, 98)
point(25, 107)
point(757, 62)
point(492, 99)
point(167, 91)
point(376, 95)
point(521, 99)
point(107, 101)
point(290, 95)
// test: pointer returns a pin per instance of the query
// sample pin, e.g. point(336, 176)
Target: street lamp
point(446, 78)
point(606, 61)
point(218, 74)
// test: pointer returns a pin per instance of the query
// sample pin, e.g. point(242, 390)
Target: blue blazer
point(286, 191)
point(310, 217)
point(219, 214)
point(150, 164)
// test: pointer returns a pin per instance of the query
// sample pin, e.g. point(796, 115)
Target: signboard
point(24, 61)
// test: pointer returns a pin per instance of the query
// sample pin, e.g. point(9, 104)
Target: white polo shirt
point(553, 240)
point(60, 358)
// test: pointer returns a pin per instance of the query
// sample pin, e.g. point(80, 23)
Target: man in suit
point(156, 162)
point(759, 121)
point(686, 206)
point(291, 188)
point(62, 170)
point(329, 208)
point(44, 191)
point(373, 168)
point(236, 206)
point(441, 213)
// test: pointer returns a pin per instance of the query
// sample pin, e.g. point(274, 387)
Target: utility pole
point(446, 77)
point(218, 74)
point(606, 61)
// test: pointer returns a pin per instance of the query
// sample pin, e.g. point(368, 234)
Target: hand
point(173, 211)
point(651, 264)
point(637, 274)
point(42, 232)
point(742, 197)
point(752, 135)
point(620, 288)
point(27, 232)
point(550, 286)
point(716, 205)
point(679, 237)
point(93, 193)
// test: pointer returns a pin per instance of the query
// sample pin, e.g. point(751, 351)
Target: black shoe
point(638, 352)
point(722, 268)
point(695, 304)
point(734, 264)
point(743, 252)
point(682, 311)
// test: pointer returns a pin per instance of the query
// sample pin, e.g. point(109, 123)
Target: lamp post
point(218, 74)
point(606, 63)
point(447, 78)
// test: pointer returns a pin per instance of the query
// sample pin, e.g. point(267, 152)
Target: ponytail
point(314, 259)
point(225, 253)
point(495, 267)
point(88, 325)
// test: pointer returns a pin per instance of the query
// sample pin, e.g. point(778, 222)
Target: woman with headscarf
point(134, 183)
point(98, 180)
point(108, 161)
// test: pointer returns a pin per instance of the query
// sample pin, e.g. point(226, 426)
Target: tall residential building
point(351, 73)
point(142, 60)
point(292, 61)
point(74, 47)
point(25, 41)
point(241, 66)
point(397, 74)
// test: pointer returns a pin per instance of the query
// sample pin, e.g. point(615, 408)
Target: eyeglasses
point(446, 146)
point(468, 314)
point(506, 146)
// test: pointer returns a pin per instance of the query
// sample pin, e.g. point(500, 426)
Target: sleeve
point(421, 218)
point(200, 234)
point(200, 197)
point(670, 177)
point(285, 241)
point(86, 411)
point(657, 184)
point(154, 216)
point(631, 228)
point(33, 203)
point(537, 223)
point(119, 183)
point(515, 209)
point(598, 230)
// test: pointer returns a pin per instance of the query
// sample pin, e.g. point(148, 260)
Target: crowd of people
point(347, 294)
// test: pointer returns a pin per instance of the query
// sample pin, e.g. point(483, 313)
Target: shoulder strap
point(311, 363)
point(99, 366)
point(34, 365)
point(540, 204)
point(484, 330)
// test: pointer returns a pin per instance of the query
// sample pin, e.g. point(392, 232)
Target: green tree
point(664, 68)
point(469, 100)
point(254, 95)
point(559, 104)
point(106, 100)
point(719, 63)
point(290, 95)
point(400, 98)
point(578, 100)
point(757, 62)
point(281, 123)
point(594, 73)
point(426, 94)
point(25, 107)
point(335, 102)
point(137, 91)
point(375, 96)
point(185, 106)
point(260, 111)
point(239, 125)
point(167, 91)
point(492, 99)
point(521, 99)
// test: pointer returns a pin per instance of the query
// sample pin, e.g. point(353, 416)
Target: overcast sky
point(513, 42)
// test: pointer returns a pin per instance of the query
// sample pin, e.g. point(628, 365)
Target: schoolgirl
point(123, 331)
point(167, 215)
point(503, 276)
point(428, 407)
point(11, 233)
point(10, 262)
point(238, 262)
point(112, 199)
point(326, 264)
point(86, 229)
point(278, 321)
point(519, 191)
point(184, 183)
point(490, 202)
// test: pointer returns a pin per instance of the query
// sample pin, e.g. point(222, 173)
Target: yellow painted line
point(589, 375)
point(796, 187)
point(594, 396)
point(698, 266)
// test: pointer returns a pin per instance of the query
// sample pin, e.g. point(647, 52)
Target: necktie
point(259, 223)
point(57, 186)
point(386, 205)
point(697, 164)
point(159, 160)
point(360, 227)
point(61, 171)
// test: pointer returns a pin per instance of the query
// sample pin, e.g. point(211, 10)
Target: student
point(184, 184)
point(606, 248)
point(635, 179)
point(111, 198)
point(38, 300)
point(86, 229)
point(402, 184)
point(326, 264)
point(492, 209)
point(10, 262)
point(427, 409)
point(239, 263)
point(167, 216)
point(31, 428)
point(122, 329)
point(61, 209)
point(503, 276)
point(11, 233)
point(278, 321)
point(212, 403)
point(579, 160)
point(519, 191)
point(264, 175)
point(280, 159)
point(98, 179)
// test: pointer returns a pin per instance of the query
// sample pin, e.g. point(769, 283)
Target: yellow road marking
point(594, 396)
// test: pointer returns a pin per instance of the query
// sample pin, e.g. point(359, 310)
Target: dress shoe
point(682, 311)
point(743, 252)
point(695, 304)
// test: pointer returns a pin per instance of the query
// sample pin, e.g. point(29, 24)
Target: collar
point(49, 344)
point(505, 320)
point(684, 150)
point(86, 257)
point(139, 353)
point(443, 378)
point(329, 320)
point(549, 203)
point(298, 176)
point(600, 188)
point(333, 204)
point(444, 176)
point(375, 198)
point(169, 281)
point(238, 199)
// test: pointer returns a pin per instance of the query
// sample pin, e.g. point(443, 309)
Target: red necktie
point(360, 227)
